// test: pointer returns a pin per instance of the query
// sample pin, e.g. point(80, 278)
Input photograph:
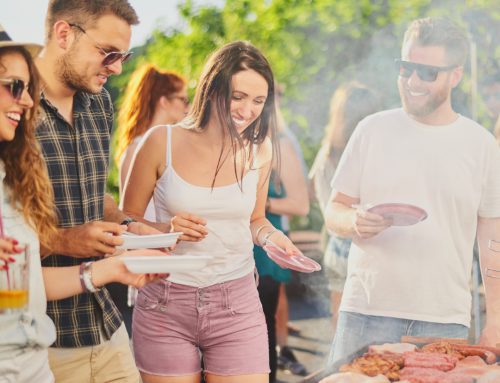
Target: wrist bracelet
point(87, 278)
point(259, 229)
point(80, 274)
point(267, 235)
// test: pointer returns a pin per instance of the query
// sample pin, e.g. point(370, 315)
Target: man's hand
point(92, 239)
point(367, 225)
point(490, 335)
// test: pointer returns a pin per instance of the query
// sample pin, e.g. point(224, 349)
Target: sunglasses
point(109, 57)
point(184, 100)
point(427, 73)
point(15, 86)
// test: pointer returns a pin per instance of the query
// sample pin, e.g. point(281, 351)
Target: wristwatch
point(127, 221)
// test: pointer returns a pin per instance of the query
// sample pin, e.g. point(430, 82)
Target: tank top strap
point(169, 146)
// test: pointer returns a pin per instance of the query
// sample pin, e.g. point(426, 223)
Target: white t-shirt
point(418, 272)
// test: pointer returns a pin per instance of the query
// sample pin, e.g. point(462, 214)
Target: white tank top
point(227, 210)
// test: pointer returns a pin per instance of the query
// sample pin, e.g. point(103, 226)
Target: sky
point(24, 19)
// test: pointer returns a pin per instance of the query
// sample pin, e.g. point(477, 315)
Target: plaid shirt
point(77, 160)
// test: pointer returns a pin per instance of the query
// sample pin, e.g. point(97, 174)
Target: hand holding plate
point(366, 224)
point(192, 227)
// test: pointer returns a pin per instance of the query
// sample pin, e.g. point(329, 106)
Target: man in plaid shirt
point(86, 42)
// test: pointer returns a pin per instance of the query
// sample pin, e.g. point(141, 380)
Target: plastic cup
point(14, 283)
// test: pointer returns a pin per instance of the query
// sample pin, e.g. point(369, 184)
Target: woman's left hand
point(282, 241)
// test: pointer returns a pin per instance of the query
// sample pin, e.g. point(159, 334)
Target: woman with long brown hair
point(28, 219)
point(209, 176)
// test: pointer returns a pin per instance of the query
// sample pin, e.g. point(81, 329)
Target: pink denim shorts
point(175, 325)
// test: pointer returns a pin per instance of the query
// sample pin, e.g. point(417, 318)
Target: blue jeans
point(356, 331)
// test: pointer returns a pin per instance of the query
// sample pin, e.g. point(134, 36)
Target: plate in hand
point(160, 264)
point(401, 214)
point(150, 241)
point(297, 262)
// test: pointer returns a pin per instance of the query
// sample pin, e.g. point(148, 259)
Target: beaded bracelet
point(259, 229)
point(86, 276)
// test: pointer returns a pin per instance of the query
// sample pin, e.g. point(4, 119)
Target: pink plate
point(400, 213)
point(295, 262)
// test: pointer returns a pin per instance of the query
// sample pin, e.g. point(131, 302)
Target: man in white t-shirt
point(414, 280)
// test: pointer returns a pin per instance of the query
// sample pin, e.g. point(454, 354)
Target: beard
point(69, 76)
point(434, 101)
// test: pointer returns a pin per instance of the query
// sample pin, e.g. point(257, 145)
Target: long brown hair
point(26, 173)
point(147, 84)
point(214, 92)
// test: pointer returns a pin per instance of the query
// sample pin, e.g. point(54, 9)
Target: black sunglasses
point(427, 73)
point(109, 57)
point(15, 86)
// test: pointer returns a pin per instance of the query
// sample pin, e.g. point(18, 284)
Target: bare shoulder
point(264, 153)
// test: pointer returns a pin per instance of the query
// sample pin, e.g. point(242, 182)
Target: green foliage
point(315, 45)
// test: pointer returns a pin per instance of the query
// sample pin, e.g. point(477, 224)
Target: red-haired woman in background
point(153, 97)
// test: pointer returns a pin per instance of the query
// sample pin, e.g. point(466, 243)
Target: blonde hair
point(26, 173)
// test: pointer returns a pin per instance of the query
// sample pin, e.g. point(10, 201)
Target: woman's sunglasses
point(427, 73)
point(15, 86)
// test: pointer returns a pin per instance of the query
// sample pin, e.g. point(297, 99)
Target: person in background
point(497, 130)
point(287, 195)
point(350, 103)
point(153, 97)
point(209, 176)
point(28, 218)
point(490, 93)
point(414, 280)
point(87, 41)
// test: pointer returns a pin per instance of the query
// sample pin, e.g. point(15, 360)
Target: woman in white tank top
point(209, 177)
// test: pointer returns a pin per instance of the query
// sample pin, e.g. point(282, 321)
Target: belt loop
point(225, 295)
point(166, 291)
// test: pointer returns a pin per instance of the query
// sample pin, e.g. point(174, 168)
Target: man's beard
point(69, 76)
point(434, 102)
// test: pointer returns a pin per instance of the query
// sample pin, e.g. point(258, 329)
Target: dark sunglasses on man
point(427, 73)
point(109, 57)
point(15, 86)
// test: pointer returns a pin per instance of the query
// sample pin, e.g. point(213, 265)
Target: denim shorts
point(174, 325)
point(355, 331)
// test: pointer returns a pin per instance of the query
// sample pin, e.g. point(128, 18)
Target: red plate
point(295, 262)
point(400, 213)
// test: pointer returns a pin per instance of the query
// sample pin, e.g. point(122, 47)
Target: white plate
point(165, 264)
point(150, 241)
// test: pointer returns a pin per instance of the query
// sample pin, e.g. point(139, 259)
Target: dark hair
point(441, 32)
point(25, 171)
point(146, 85)
point(214, 92)
point(85, 12)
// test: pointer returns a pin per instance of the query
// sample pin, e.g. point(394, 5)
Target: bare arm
point(64, 282)
point(260, 226)
point(125, 164)
point(147, 166)
point(489, 228)
point(347, 221)
point(296, 200)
